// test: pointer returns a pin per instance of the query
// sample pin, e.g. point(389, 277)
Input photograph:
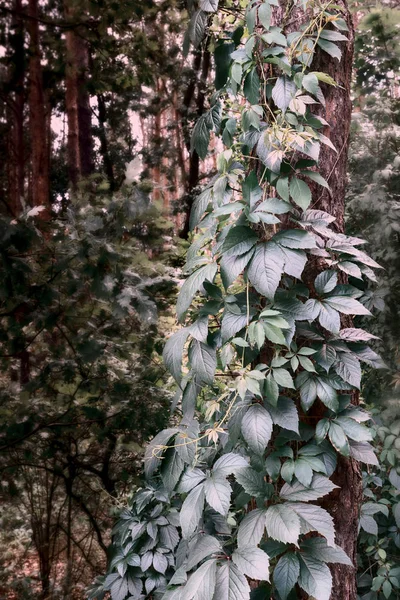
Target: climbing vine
point(267, 360)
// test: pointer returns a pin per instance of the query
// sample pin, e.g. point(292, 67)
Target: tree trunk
point(77, 101)
point(342, 504)
point(40, 192)
point(16, 113)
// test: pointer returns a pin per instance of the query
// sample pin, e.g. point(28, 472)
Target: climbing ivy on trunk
point(267, 361)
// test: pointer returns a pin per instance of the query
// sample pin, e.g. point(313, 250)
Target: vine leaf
point(282, 523)
point(283, 92)
point(252, 561)
point(231, 584)
point(192, 285)
point(286, 574)
point(266, 269)
point(201, 584)
point(257, 428)
point(315, 578)
point(252, 527)
point(192, 510)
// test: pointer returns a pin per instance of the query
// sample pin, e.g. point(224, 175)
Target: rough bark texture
point(77, 101)
point(16, 114)
point(343, 504)
point(40, 191)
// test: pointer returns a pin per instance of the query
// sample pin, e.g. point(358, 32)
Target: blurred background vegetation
point(97, 105)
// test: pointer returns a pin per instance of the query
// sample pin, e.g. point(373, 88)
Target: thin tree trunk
point(77, 101)
point(202, 60)
point(40, 192)
point(104, 149)
point(16, 113)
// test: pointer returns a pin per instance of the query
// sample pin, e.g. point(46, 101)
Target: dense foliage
point(271, 360)
point(79, 308)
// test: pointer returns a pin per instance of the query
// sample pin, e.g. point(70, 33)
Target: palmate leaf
point(173, 352)
point(257, 428)
point(315, 578)
point(192, 285)
point(283, 92)
point(192, 510)
point(282, 523)
point(203, 359)
point(204, 546)
point(251, 529)
point(252, 561)
point(320, 486)
point(218, 493)
point(266, 268)
point(315, 518)
point(201, 584)
point(231, 584)
point(286, 574)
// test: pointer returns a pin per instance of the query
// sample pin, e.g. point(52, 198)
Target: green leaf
point(330, 48)
point(190, 479)
point(204, 546)
point(252, 561)
point(283, 91)
point(232, 266)
point(173, 351)
point(218, 493)
point(192, 286)
point(329, 318)
point(199, 207)
point(171, 469)
point(239, 240)
point(325, 282)
point(295, 261)
point(201, 584)
point(300, 193)
point(151, 457)
point(315, 518)
point(363, 452)
point(266, 269)
point(286, 573)
point(231, 584)
point(285, 414)
point(264, 14)
point(355, 431)
point(203, 360)
point(230, 463)
point(192, 510)
point(333, 36)
point(346, 305)
point(320, 486)
point(319, 549)
point(295, 238)
point(252, 192)
point(348, 367)
point(282, 187)
point(200, 138)
point(251, 529)
point(315, 578)
point(303, 471)
point(257, 428)
point(208, 5)
point(310, 83)
point(338, 439)
point(282, 523)
point(252, 482)
point(197, 27)
point(251, 86)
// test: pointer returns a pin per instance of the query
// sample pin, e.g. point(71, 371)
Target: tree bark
point(40, 192)
point(77, 101)
point(343, 504)
point(16, 113)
